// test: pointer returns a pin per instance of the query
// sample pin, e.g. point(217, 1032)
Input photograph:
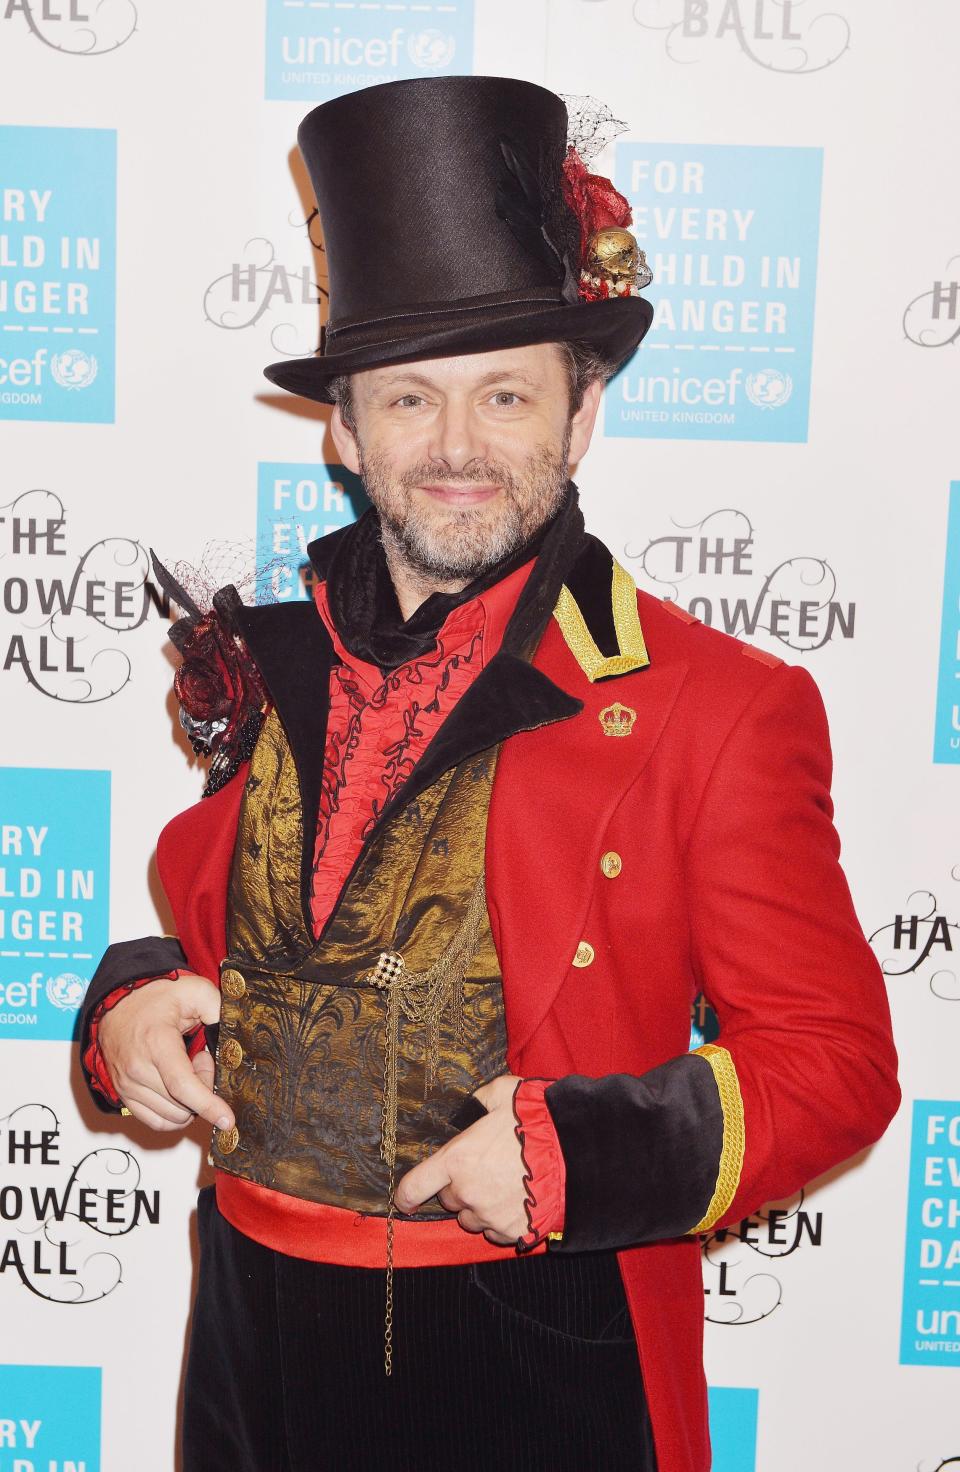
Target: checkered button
point(389, 968)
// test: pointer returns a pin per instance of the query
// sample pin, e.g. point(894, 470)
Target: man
point(481, 822)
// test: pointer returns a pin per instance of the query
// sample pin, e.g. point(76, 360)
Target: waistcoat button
point(611, 864)
point(232, 985)
point(584, 954)
point(231, 1053)
point(227, 1140)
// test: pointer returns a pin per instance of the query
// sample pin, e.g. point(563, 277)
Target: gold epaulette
point(632, 651)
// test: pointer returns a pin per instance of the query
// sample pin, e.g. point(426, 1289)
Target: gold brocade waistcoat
point(304, 1047)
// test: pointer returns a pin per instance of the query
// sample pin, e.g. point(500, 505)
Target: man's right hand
point(141, 1040)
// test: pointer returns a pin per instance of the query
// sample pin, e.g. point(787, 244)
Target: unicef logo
point(66, 991)
point(431, 49)
point(769, 389)
point(73, 368)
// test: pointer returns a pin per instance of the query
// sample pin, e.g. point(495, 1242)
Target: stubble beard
point(461, 545)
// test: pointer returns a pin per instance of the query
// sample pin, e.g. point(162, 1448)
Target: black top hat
point(446, 230)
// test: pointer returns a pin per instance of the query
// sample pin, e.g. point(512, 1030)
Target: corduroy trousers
point(528, 1364)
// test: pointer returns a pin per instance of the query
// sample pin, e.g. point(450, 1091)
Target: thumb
point(498, 1093)
point(199, 1000)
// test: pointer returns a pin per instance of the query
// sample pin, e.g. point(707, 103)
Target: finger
point(470, 1222)
point(148, 1116)
point(425, 1180)
point(157, 1103)
point(148, 1088)
point(184, 1087)
point(499, 1240)
point(451, 1200)
point(204, 1067)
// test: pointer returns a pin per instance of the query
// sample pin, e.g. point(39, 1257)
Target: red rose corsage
point(221, 695)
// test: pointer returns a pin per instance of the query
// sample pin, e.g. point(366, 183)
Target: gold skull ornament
point(613, 255)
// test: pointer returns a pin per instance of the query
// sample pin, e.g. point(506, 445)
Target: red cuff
point(545, 1172)
point(93, 1060)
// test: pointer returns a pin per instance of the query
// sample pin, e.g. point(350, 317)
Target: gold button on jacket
point(233, 985)
point(611, 864)
point(231, 1053)
point(584, 954)
point(228, 1140)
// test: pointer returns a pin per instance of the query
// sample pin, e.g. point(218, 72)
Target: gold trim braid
point(626, 621)
point(734, 1138)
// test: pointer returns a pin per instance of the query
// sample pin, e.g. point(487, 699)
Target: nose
point(457, 437)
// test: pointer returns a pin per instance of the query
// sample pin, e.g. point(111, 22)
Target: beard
point(448, 544)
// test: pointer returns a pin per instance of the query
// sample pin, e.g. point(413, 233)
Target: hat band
point(360, 331)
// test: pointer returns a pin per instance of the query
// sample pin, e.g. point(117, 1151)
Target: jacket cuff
point(650, 1157)
point(122, 966)
point(544, 1170)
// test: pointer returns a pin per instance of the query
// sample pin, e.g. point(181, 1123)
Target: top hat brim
point(613, 329)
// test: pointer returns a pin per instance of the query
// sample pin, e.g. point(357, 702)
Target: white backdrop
point(812, 507)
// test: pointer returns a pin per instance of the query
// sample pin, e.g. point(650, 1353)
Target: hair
point(584, 365)
point(342, 395)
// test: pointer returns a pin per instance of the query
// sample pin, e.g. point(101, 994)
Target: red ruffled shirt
point(378, 727)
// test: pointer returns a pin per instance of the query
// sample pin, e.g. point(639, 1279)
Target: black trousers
point(528, 1364)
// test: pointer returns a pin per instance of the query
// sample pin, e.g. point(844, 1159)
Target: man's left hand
point(479, 1173)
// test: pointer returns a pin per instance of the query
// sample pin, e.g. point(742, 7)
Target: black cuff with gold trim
point(649, 1157)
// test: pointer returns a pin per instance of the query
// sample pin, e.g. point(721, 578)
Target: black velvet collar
point(363, 602)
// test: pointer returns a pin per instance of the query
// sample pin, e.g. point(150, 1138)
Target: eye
point(503, 396)
point(409, 401)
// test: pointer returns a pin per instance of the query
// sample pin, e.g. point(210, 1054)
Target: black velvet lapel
point(508, 696)
point(561, 548)
point(590, 580)
point(294, 653)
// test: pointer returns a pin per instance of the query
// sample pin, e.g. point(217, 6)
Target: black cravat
point(363, 603)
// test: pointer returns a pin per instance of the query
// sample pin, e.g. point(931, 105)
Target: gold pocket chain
point(422, 997)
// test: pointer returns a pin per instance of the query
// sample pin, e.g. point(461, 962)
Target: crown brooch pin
point(617, 719)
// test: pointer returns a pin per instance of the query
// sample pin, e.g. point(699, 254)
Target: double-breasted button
point(611, 864)
point(233, 985)
point(231, 1053)
point(227, 1140)
point(584, 954)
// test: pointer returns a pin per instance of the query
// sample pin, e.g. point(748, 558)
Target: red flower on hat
point(217, 682)
point(594, 200)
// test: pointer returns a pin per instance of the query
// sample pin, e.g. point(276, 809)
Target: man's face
point(465, 458)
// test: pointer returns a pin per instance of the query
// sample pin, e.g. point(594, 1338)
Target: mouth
point(474, 494)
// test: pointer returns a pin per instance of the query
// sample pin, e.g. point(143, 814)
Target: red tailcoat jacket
point(702, 766)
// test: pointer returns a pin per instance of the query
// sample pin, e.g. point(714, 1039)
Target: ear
point(345, 441)
point(582, 423)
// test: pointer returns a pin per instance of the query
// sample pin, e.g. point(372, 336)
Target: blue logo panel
point(58, 207)
point(54, 896)
point(733, 1428)
point(51, 1417)
point(930, 1329)
point(946, 746)
point(318, 51)
point(296, 503)
point(731, 236)
point(704, 1027)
